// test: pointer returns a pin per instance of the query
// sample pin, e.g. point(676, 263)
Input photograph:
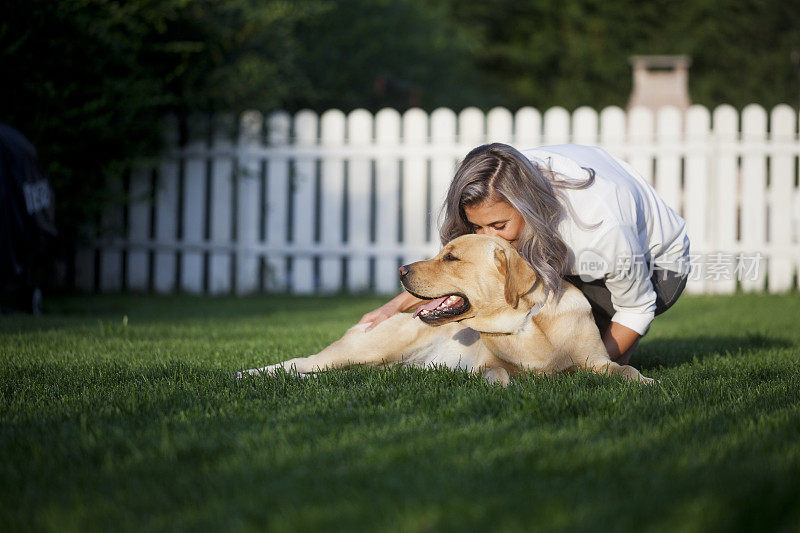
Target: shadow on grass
point(671, 352)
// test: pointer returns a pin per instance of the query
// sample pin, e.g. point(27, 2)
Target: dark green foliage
point(575, 52)
point(113, 424)
point(90, 81)
point(386, 53)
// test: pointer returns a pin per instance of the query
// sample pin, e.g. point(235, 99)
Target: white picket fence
point(309, 204)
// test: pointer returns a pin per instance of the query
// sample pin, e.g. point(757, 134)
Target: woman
point(572, 212)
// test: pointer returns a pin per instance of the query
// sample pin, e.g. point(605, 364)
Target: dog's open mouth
point(447, 306)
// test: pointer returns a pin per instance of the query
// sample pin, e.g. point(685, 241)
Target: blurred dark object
point(27, 229)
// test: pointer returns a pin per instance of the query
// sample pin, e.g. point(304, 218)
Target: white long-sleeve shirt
point(636, 232)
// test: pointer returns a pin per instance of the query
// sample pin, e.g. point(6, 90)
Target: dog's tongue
point(433, 304)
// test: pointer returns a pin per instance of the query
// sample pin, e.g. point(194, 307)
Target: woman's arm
point(400, 303)
point(619, 340)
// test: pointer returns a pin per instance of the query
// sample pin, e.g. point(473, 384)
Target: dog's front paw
point(264, 371)
point(272, 371)
point(648, 381)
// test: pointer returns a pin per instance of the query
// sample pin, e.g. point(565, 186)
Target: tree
point(90, 81)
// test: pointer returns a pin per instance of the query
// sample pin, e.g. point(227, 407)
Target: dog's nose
point(403, 271)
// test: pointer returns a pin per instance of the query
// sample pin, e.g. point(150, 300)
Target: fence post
point(221, 230)
point(612, 130)
point(167, 212)
point(359, 188)
point(527, 128)
point(499, 126)
point(387, 184)
point(781, 194)
point(194, 203)
point(471, 128)
point(415, 136)
point(332, 204)
point(443, 134)
point(754, 197)
point(138, 268)
point(640, 142)
point(584, 126)
point(248, 195)
point(556, 126)
point(698, 204)
point(725, 191)
point(668, 161)
point(277, 200)
point(303, 205)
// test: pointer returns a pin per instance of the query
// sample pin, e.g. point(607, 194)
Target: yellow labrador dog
point(485, 313)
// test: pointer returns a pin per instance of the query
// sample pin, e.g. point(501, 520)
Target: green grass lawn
point(128, 424)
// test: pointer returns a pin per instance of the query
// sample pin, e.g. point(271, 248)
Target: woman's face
point(496, 218)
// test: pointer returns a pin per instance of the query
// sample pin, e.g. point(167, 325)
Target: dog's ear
point(518, 274)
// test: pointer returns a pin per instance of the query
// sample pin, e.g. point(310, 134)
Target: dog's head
point(475, 279)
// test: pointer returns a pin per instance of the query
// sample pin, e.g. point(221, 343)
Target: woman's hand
point(402, 302)
point(380, 314)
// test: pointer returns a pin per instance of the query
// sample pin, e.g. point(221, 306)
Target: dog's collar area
point(530, 314)
point(533, 312)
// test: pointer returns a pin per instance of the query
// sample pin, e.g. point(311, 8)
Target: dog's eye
point(450, 257)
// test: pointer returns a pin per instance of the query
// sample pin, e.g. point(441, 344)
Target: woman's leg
point(599, 298)
point(669, 286)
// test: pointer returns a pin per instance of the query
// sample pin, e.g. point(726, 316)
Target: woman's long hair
point(499, 172)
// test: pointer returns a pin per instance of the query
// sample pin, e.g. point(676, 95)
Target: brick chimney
point(660, 81)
